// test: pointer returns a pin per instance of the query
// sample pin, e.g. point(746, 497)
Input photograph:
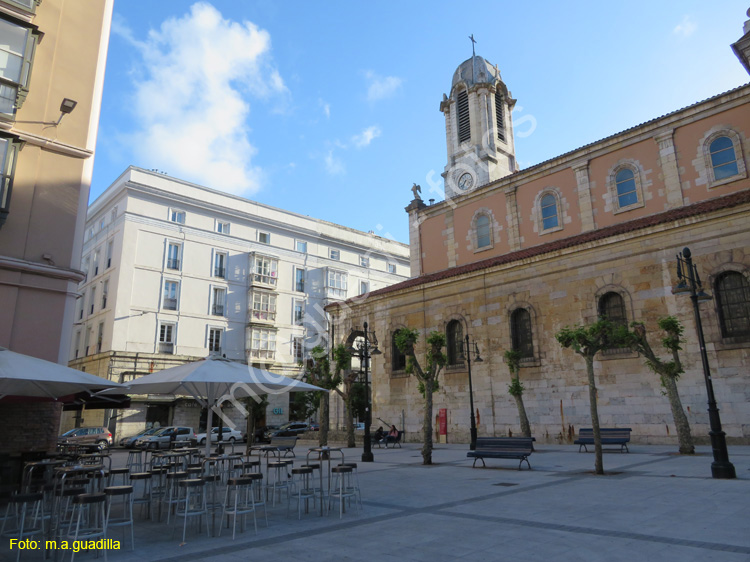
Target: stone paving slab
point(652, 505)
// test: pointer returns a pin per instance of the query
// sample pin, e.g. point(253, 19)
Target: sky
point(331, 109)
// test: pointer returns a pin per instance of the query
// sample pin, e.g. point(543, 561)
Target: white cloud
point(191, 97)
point(381, 87)
point(334, 165)
point(365, 137)
point(686, 27)
point(326, 107)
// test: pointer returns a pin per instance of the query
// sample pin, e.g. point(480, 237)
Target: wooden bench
point(503, 448)
point(610, 436)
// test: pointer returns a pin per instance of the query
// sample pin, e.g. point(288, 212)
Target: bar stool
point(28, 513)
point(214, 501)
point(341, 487)
point(118, 473)
point(125, 493)
point(302, 489)
point(239, 500)
point(245, 466)
point(145, 498)
point(192, 502)
point(355, 481)
point(172, 493)
point(64, 503)
point(260, 500)
point(158, 487)
point(278, 479)
point(89, 508)
point(135, 460)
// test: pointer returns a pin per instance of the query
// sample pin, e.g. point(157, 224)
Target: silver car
point(166, 436)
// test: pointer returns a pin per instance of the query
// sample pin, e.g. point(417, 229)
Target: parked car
point(164, 438)
point(87, 436)
point(227, 435)
point(260, 433)
point(129, 441)
point(359, 426)
point(315, 426)
point(288, 429)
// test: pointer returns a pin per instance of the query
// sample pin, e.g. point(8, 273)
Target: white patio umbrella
point(22, 375)
point(214, 380)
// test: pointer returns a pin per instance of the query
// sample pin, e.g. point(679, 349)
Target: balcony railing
point(170, 304)
point(166, 347)
point(173, 263)
point(263, 315)
point(263, 353)
point(220, 272)
point(217, 310)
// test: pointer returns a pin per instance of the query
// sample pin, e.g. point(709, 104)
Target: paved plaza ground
point(652, 505)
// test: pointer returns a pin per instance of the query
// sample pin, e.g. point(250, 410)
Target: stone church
point(512, 256)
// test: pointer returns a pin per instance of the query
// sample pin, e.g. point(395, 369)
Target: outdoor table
point(46, 464)
point(324, 454)
point(61, 473)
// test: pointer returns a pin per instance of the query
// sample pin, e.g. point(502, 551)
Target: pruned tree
point(256, 411)
point(669, 372)
point(427, 376)
point(516, 388)
point(342, 360)
point(318, 372)
point(587, 341)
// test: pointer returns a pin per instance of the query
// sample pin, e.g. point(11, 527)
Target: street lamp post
point(690, 282)
point(466, 352)
point(365, 351)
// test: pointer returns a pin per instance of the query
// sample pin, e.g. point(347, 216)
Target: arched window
point(612, 307)
point(723, 158)
point(484, 234)
point(455, 337)
point(520, 331)
point(462, 112)
point(627, 194)
point(398, 359)
point(733, 299)
point(550, 218)
point(499, 116)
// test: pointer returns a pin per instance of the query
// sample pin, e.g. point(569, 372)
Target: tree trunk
point(525, 427)
point(684, 436)
point(427, 447)
point(324, 419)
point(599, 465)
point(349, 422)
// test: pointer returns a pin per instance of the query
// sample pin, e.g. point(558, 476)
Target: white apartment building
point(177, 271)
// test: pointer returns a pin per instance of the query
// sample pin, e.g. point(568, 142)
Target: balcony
point(262, 279)
point(263, 316)
point(173, 263)
point(220, 272)
point(263, 354)
point(170, 304)
point(166, 347)
point(217, 310)
point(334, 293)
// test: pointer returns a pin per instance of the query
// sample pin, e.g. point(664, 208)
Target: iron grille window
point(455, 336)
point(170, 295)
point(398, 361)
point(464, 125)
point(299, 280)
point(733, 298)
point(612, 307)
point(173, 256)
point(499, 118)
point(520, 330)
point(220, 269)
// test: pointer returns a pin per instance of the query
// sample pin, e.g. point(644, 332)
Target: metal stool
point(341, 487)
point(135, 460)
point(239, 500)
point(145, 498)
point(88, 508)
point(125, 493)
point(122, 473)
point(172, 492)
point(278, 479)
point(355, 481)
point(260, 500)
point(302, 489)
point(28, 513)
point(192, 502)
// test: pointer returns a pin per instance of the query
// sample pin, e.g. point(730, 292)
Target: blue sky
point(331, 109)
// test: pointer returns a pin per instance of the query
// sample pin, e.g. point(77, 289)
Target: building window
point(8, 153)
point(364, 261)
point(113, 214)
point(81, 306)
point(612, 307)
point(86, 265)
point(520, 331)
point(483, 232)
point(398, 359)
point(364, 287)
point(391, 268)
point(298, 350)
point(218, 298)
point(464, 121)
point(265, 270)
point(299, 279)
point(549, 212)
point(301, 246)
point(626, 192)
point(220, 265)
point(334, 254)
point(99, 337)
point(28, 5)
point(93, 300)
point(77, 347)
point(175, 215)
point(214, 340)
point(96, 262)
point(16, 55)
point(102, 222)
point(499, 116)
point(263, 344)
point(222, 227)
point(455, 338)
point(336, 284)
point(264, 306)
point(173, 256)
point(86, 341)
point(105, 293)
point(110, 250)
point(723, 158)
point(298, 312)
point(264, 237)
point(733, 300)
point(170, 295)
point(166, 338)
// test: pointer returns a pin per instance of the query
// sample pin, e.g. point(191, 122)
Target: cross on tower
point(473, 41)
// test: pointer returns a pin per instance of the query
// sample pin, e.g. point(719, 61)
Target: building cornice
point(45, 143)
point(40, 269)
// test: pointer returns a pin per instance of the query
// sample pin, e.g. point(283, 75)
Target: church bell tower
point(478, 128)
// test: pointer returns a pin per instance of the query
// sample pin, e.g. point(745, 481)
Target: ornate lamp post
point(365, 350)
point(690, 282)
point(466, 348)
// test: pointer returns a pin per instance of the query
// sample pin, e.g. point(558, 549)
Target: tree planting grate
point(506, 484)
